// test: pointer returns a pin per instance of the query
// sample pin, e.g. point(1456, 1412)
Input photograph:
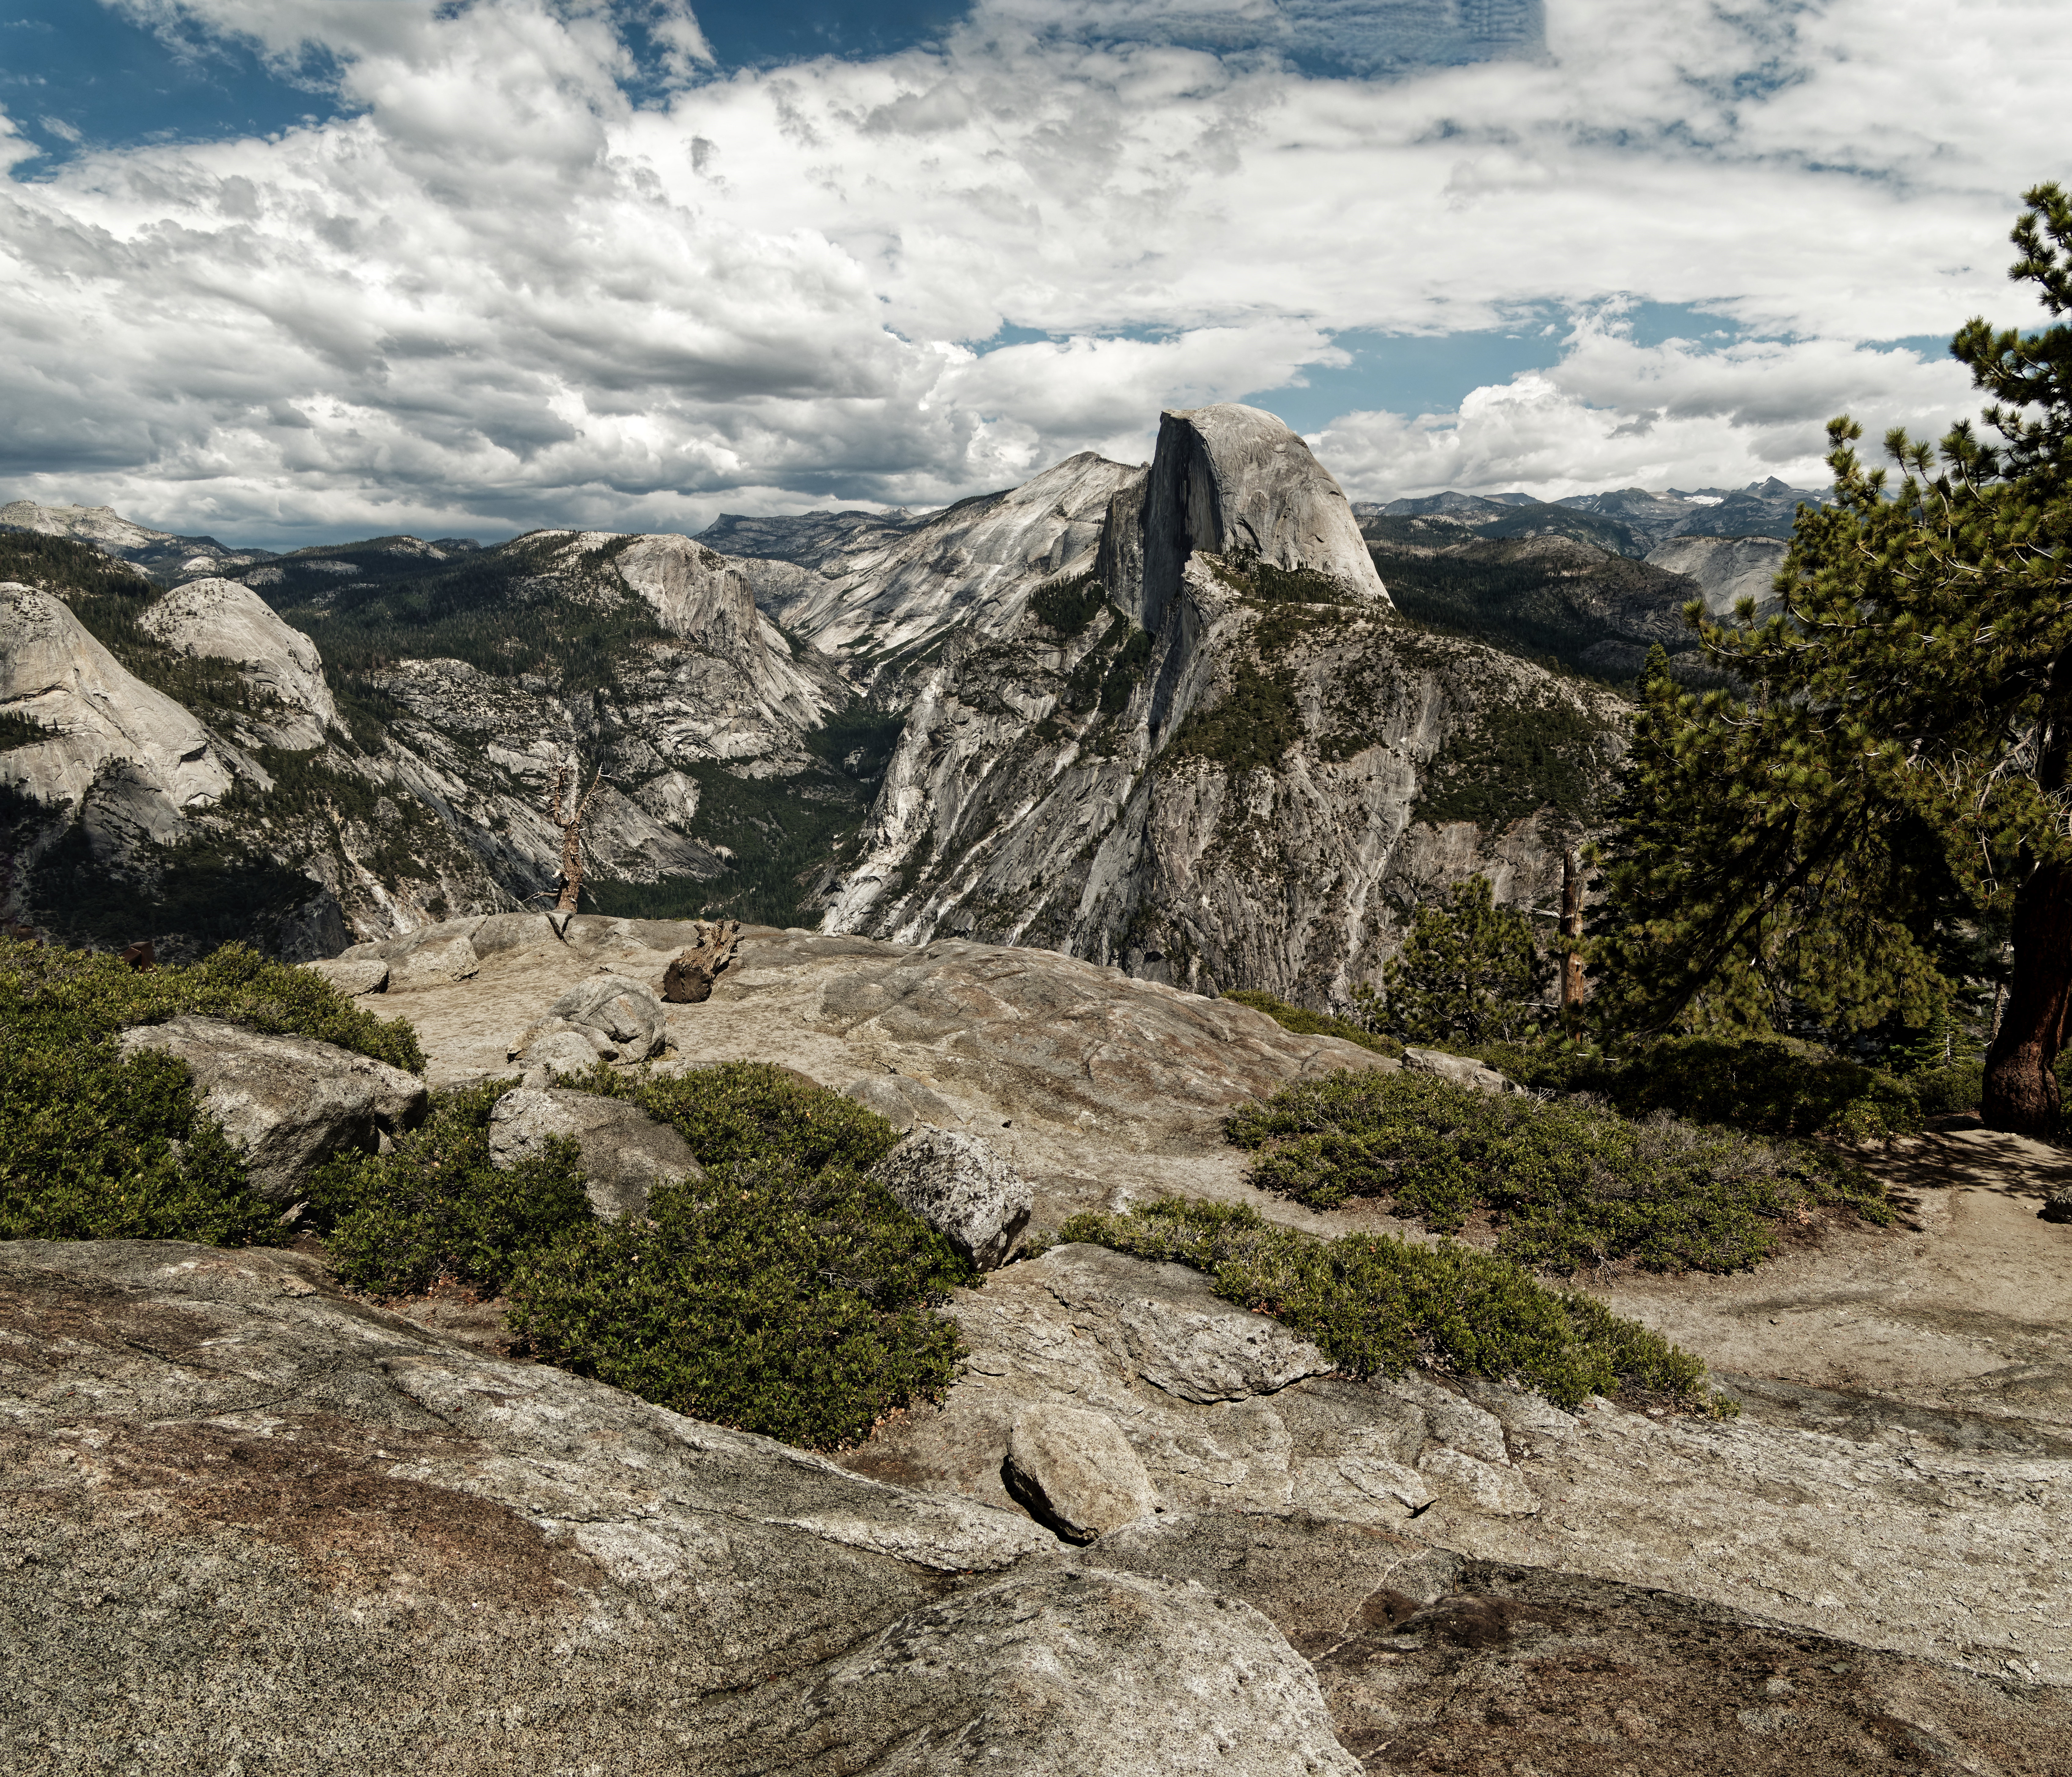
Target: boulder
point(959, 1186)
point(286, 1102)
point(622, 1020)
point(555, 1046)
point(625, 1151)
point(437, 962)
point(1074, 1470)
point(2057, 1204)
point(1457, 1071)
point(689, 980)
point(352, 975)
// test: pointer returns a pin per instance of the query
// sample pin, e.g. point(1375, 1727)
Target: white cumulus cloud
point(544, 269)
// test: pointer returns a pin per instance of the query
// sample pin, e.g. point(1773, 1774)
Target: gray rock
point(1075, 1471)
point(352, 975)
point(54, 673)
point(434, 961)
point(624, 1152)
point(623, 1020)
point(1228, 479)
point(561, 1047)
point(220, 619)
point(286, 1102)
point(901, 1100)
point(1457, 1071)
point(1182, 1340)
point(1078, 1671)
point(959, 1186)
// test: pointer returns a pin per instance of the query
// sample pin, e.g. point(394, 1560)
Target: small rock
point(1074, 1470)
point(286, 1102)
point(626, 1013)
point(353, 975)
point(1457, 1071)
point(625, 1151)
point(959, 1186)
point(435, 963)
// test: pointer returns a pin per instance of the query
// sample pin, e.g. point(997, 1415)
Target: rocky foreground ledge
point(249, 1522)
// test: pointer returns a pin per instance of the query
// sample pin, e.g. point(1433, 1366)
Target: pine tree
point(1467, 973)
point(1899, 758)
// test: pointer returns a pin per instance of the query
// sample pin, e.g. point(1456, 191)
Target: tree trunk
point(1573, 988)
point(2020, 1093)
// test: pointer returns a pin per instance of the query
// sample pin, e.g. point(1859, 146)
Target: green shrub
point(434, 1208)
point(1068, 606)
point(1941, 1091)
point(1376, 1305)
point(1571, 1183)
point(783, 1300)
point(1767, 1083)
point(1314, 1024)
point(756, 1111)
point(95, 1147)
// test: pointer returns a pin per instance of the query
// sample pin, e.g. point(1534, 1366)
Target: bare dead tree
point(567, 813)
point(1573, 987)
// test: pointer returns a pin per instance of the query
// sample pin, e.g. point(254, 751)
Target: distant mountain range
point(1203, 719)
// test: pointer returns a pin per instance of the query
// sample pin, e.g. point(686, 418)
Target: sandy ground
point(1966, 1306)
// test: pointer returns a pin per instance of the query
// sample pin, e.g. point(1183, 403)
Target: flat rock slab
point(1914, 1537)
point(1433, 1661)
point(241, 1509)
point(286, 1102)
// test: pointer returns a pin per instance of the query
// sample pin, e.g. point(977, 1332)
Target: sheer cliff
point(1220, 757)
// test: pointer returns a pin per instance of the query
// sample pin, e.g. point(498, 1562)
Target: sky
point(290, 271)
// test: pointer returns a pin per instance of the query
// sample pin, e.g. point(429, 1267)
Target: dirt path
point(1966, 1307)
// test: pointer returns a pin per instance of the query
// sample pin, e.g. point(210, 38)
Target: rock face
point(220, 619)
point(1230, 480)
point(105, 725)
point(1075, 1471)
point(960, 1187)
point(286, 1102)
point(506, 1567)
point(884, 587)
point(1924, 1545)
point(1725, 569)
point(624, 1152)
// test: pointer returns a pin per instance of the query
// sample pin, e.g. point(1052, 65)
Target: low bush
point(93, 1146)
point(434, 1208)
point(755, 1111)
point(1941, 1091)
point(1570, 1183)
point(1376, 1305)
point(1314, 1024)
point(782, 1300)
point(1768, 1084)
